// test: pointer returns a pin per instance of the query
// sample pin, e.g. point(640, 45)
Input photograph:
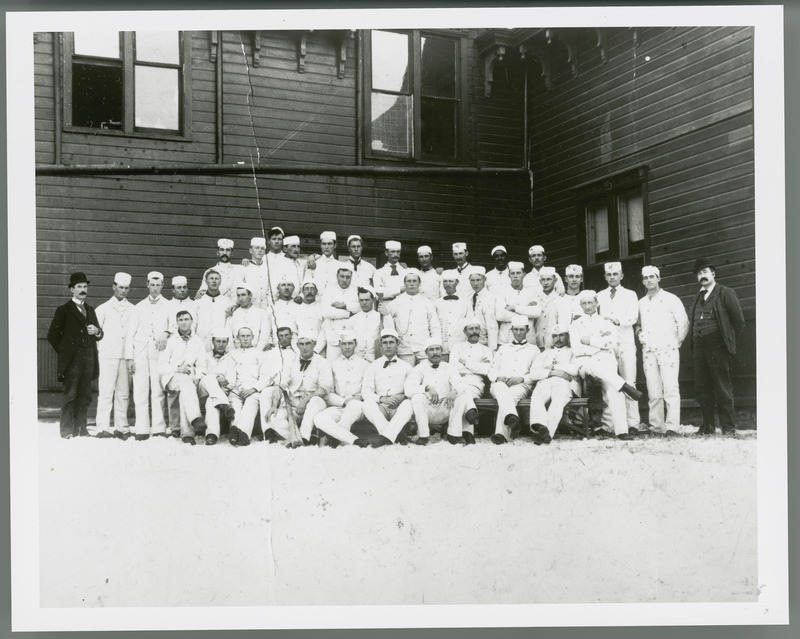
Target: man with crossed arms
point(338, 305)
point(514, 299)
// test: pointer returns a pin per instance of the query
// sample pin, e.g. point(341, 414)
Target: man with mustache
point(229, 273)
point(74, 333)
point(715, 320)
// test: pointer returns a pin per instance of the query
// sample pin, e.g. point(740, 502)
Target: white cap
point(155, 275)
point(478, 270)
point(353, 237)
point(389, 332)
point(573, 269)
point(344, 266)
point(613, 267)
point(536, 248)
point(470, 321)
point(424, 249)
point(258, 241)
point(224, 243)
point(411, 271)
point(367, 287)
point(245, 286)
point(432, 342)
point(347, 335)
point(392, 245)
point(519, 321)
point(498, 248)
point(560, 328)
point(516, 266)
point(122, 279)
point(547, 271)
point(586, 294)
point(327, 236)
point(650, 270)
point(276, 228)
point(459, 246)
point(292, 240)
point(285, 278)
point(179, 280)
point(219, 333)
point(309, 280)
point(306, 332)
point(450, 274)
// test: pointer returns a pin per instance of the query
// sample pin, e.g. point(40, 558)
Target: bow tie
point(451, 297)
point(434, 365)
point(304, 364)
point(389, 361)
point(516, 343)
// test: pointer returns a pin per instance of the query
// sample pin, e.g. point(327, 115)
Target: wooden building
point(611, 143)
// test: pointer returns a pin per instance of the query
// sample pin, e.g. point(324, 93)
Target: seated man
point(245, 389)
point(473, 361)
point(220, 367)
point(438, 395)
point(181, 365)
point(508, 377)
point(385, 404)
point(593, 338)
point(555, 374)
point(344, 401)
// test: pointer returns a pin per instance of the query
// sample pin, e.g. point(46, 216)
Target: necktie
point(304, 364)
point(153, 301)
point(613, 293)
point(389, 361)
point(451, 297)
point(82, 309)
point(355, 264)
point(474, 300)
point(185, 338)
point(394, 270)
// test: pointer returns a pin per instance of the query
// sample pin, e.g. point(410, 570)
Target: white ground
point(160, 523)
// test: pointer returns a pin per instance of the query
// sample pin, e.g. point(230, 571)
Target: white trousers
point(113, 388)
point(337, 421)
point(147, 385)
point(280, 423)
point(603, 366)
point(555, 390)
point(427, 413)
point(626, 367)
point(507, 399)
point(189, 401)
point(661, 369)
point(388, 421)
point(246, 412)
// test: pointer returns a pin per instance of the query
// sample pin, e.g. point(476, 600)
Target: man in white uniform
point(213, 308)
point(180, 302)
point(256, 274)
point(473, 361)
point(388, 279)
point(414, 318)
point(452, 310)
point(114, 383)
point(247, 314)
point(229, 273)
point(537, 258)
point(430, 280)
point(289, 267)
point(148, 331)
point(514, 299)
point(339, 304)
point(285, 306)
point(464, 269)
point(309, 315)
point(508, 375)
point(362, 270)
point(483, 305)
point(244, 390)
point(323, 268)
point(498, 278)
point(555, 309)
point(366, 325)
point(574, 276)
point(220, 367)
point(662, 327)
point(621, 307)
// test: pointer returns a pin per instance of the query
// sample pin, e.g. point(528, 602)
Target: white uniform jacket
point(212, 312)
point(623, 307)
point(348, 378)
point(367, 327)
point(113, 318)
point(415, 321)
point(335, 319)
point(560, 359)
point(148, 322)
point(257, 320)
point(451, 311)
point(443, 379)
point(663, 321)
point(380, 380)
point(525, 302)
point(180, 352)
point(387, 284)
point(512, 360)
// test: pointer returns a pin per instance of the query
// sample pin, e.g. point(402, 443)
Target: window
point(612, 218)
point(414, 96)
point(126, 81)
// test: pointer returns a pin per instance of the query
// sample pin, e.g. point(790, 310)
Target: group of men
point(302, 349)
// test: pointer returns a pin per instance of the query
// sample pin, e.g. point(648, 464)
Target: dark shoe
point(104, 434)
point(498, 439)
point(671, 433)
point(211, 439)
point(631, 392)
point(383, 441)
point(164, 435)
point(227, 412)
point(471, 416)
point(402, 438)
point(469, 438)
point(233, 436)
point(188, 439)
point(199, 424)
point(258, 436)
point(601, 433)
point(120, 435)
point(422, 441)
point(361, 443)
point(271, 436)
point(536, 438)
point(141, 438)
point(455, 440)
point(296, 444)
point(175, 434)
point(332, 442)
point(313, 440)
point(242, 439)
point(544, 433)
point(632, 430)
point(512, 421)
point(730, 434)
point(624, 437)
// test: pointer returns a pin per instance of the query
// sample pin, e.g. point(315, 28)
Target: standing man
point(452, 310)
point(309, 315)
point(574, 276)
point(74, 333)
point(256, 274)
point(430, 280)
point(414, 317)
point(181, 301)
point(289, 267)
point(483, 305)
point(621, 307)
point(463, 268)
point(498, 278)
point(662, 327)
point(366, 325)
point(274, 248)
point(114, 383)
point(229, 273)
point(148, 331)
point(514, 299)
point(246, 314)
point(214, 308)
point(388, 279)
point(324, 267)
point(362, 270)
point(715, 321)
point(473, 361)
point(537, 258)
point(285, 307)
point(554, 308)
point(339, 304)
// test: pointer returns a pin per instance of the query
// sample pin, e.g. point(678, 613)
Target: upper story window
point(415, 96)
point(128, 81)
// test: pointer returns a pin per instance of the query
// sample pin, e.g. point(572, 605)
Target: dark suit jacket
point(68, 335)
point(727, 311)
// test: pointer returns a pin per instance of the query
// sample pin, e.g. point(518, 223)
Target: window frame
point(461, 100)
point(128, 63)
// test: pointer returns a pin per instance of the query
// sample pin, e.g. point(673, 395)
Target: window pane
point(390, 61)
point(156, 104)
point(631, 208)
point(100, 44)
point(438, 67)
point(158, 46)
point(599, 220)
point(438, 128)
point(97, 96)
point(391, 123)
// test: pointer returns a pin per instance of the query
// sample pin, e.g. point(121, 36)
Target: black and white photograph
point(401, 318)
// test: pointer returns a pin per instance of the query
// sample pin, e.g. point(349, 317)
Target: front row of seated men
point(300, 394)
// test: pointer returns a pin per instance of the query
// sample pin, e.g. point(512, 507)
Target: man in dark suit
point(73, 334)
point(715, 320)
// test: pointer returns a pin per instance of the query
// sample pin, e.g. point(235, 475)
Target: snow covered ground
point(160, 523)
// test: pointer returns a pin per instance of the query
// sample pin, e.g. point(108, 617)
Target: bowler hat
point(700, 263)
point(77, 278)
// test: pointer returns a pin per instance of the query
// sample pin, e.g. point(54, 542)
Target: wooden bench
point(578, 414)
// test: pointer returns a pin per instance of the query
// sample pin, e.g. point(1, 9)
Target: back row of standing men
point(323, 297)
